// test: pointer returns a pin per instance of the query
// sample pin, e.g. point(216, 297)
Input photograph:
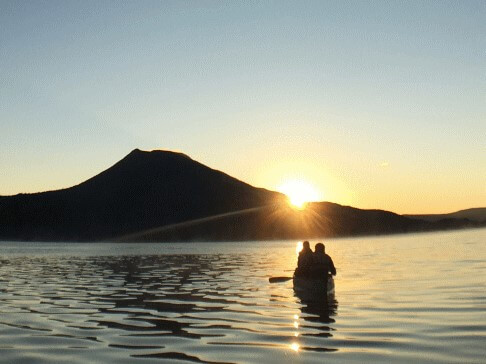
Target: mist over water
point(409, 298)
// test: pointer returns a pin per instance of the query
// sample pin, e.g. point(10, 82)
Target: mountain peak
point(138, 153)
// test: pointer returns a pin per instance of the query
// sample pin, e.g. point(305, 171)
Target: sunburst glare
point(299, 192)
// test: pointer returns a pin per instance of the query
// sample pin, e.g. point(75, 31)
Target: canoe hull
point(314, 286)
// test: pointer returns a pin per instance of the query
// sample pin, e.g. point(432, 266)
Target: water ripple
point(218, 307)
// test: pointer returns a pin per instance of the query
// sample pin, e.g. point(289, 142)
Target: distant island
point(167, 196)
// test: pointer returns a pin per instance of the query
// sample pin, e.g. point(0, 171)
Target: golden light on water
point(299, 247)
point(295, 347)
point(299, 192)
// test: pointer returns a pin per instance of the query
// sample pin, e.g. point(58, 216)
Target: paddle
point(279, 279)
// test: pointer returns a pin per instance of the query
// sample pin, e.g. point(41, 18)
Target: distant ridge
point(279, 221)
point(167, 196)
point(475, 214)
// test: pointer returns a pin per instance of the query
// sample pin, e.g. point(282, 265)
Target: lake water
point(399, 299)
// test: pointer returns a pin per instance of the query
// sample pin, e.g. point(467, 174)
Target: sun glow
point(299, 247)
point(299, 192)
point(295, 347)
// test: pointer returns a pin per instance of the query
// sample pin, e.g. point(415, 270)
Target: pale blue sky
point(378, 104)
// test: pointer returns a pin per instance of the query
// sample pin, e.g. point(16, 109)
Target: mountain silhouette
point(142, 191)
point(167, 196)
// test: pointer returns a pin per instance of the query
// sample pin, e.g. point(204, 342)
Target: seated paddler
point(304, 261)
point(322, 265)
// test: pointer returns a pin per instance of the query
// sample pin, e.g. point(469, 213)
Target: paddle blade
point(279, 279)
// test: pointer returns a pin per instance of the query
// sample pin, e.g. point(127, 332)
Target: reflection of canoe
point(316, 286)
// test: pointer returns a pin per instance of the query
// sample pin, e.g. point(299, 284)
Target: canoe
point(315, 286)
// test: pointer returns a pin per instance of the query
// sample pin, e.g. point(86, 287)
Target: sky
point(377, 104)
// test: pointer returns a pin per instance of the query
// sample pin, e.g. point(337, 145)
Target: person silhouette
point(305, 261)
point(322, 264)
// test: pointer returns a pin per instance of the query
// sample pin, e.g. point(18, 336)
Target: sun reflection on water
point(295, 347)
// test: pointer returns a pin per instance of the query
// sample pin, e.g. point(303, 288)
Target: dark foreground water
point(413, 298)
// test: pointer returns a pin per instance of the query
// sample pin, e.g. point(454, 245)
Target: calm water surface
point(412, 298)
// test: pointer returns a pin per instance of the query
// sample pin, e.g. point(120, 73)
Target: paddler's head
point(305, 245)
point(320, 248)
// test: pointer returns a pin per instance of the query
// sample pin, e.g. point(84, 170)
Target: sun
point(299, 192)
